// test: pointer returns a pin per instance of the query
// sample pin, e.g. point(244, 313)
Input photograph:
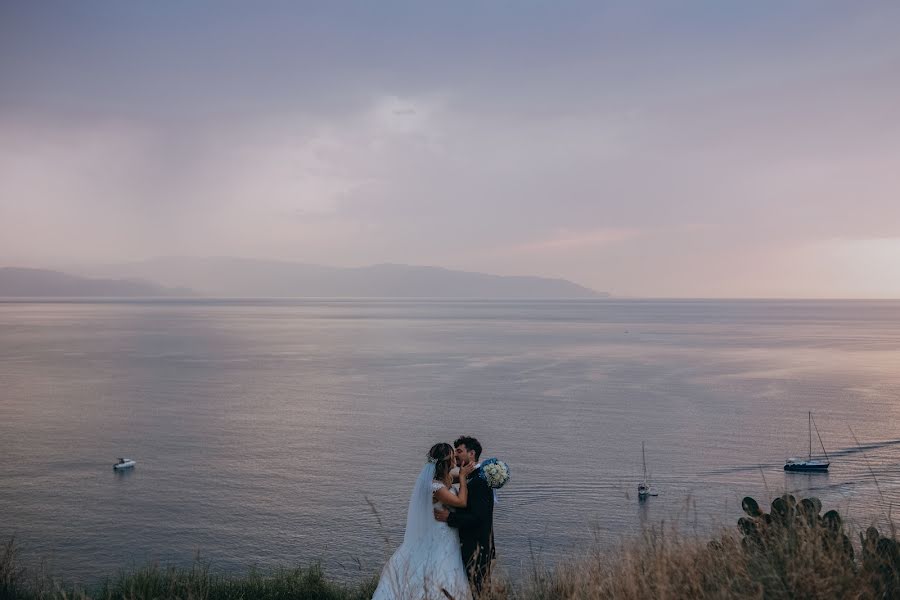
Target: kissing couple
point(448, 545)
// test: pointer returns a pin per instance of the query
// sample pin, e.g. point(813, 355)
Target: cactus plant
point(881, 562)
point(790, 522)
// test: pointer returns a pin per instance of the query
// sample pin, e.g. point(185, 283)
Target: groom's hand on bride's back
point(441, 515)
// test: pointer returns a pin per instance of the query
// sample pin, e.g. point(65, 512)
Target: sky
point(658, 148)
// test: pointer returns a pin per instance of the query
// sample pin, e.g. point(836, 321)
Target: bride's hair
point(442, 456)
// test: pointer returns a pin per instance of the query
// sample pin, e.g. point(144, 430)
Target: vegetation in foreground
point(792, 551)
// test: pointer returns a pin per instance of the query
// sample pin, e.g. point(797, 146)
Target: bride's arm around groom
point(479, 509)
point(448, 498)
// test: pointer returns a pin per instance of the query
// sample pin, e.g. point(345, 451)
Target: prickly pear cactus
point(787, 539)
point(789, 524)
point(881, 562)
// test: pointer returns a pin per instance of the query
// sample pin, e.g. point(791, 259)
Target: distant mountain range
point(251, 278)
point(40, 283)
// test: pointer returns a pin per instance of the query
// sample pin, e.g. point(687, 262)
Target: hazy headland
point(250, 278)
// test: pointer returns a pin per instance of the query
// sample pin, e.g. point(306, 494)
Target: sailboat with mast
point(809, 464)
point(644, 488)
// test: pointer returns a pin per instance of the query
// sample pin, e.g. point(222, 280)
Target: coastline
point(792, 551)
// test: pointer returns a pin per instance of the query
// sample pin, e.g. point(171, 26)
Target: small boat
point(809, 464)
point(124, 463)
point(644, 488)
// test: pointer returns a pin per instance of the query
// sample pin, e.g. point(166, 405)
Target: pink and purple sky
point(672, 149)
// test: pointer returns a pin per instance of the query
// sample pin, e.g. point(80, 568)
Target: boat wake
point(865, 448)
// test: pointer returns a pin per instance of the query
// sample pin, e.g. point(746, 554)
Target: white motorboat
point(124, 463)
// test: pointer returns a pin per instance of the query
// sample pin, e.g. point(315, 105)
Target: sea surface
point(279, 433)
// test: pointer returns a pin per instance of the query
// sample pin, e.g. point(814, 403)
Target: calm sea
point(264, 429)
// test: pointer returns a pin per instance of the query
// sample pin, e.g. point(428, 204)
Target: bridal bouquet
point(495, 472)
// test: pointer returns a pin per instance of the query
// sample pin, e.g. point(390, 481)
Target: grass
point(790, 553)
point(194, 583)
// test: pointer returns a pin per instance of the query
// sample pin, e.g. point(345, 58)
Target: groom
point(475, 522)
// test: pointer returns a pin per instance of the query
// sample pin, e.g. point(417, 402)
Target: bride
point(428, 564)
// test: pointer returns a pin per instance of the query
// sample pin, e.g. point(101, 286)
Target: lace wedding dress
point(428, 564)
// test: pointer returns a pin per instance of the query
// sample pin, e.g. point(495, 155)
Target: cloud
point(567, 241)
point(860, 267)
point(70, 188)
point(590, 151)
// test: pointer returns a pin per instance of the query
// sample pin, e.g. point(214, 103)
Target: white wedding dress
point(428, 564)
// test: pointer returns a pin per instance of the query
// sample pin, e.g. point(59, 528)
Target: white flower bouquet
point(495, 472)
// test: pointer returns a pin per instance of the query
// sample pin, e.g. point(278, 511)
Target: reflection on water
point(261, 428)
point(643, 513)
point(807, 484)
point(122, 473)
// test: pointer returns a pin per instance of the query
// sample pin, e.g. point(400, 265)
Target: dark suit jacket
point(476, 527)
